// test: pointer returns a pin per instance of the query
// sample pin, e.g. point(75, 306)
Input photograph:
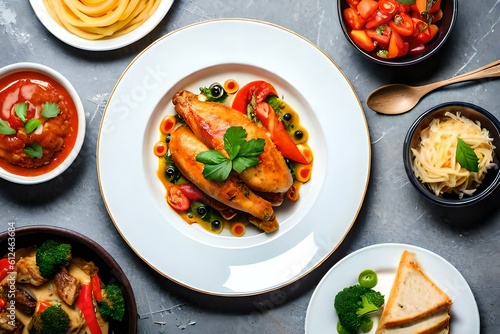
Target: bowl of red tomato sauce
point(397, 32)
point(42, 123)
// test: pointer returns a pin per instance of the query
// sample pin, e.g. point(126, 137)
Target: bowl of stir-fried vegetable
point(63, 282)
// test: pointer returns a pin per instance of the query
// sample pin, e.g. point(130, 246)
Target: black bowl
point(412, 140)
point(85, 248)
point(450, 14)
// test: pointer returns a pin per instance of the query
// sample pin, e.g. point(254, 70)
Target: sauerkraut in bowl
point(451, 154)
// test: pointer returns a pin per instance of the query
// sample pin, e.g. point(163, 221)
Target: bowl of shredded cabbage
point(451, 154)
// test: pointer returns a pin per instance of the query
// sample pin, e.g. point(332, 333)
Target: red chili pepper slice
point(84, 303)
point(95, 281)
point(4, 268)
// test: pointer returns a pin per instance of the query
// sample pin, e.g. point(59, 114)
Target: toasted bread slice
point(414, 296)
point(438, 323)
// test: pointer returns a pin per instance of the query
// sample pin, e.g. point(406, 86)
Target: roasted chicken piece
point(28, 271)
point(184, 146)
point(67, 286)
point(209, 122)
point(7, 325)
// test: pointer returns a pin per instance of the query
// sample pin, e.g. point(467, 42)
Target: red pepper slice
point(84, 303)
point(3, 302)
point(381, 35)
point(95, 281)
point(44, 304)
point(4, 268)
point(354, 19)
point(280, 137)
point(435, 7)
point(378, 18)
point(259, 89)
point(361, 39)
point(397, 46)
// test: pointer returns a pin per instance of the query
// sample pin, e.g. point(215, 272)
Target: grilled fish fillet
point(209, 122)
point(184, 146)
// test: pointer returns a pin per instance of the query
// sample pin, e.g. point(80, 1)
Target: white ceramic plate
point(99, 45)
point(310, 230)
point(384, 259)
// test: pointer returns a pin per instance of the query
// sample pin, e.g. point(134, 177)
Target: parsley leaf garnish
point(466, 156)
point(34, 150)
point(32, 125)
point(242, 154)
point(5, 128)
point(50, 110)
point(22, 111)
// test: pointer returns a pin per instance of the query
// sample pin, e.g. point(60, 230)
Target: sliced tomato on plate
point(279, 135)
point(252, 93)
point(176, 198)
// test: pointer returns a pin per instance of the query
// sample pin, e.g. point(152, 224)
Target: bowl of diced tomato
point(397, 32)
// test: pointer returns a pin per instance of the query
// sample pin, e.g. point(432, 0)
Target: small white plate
point(310, 229)
point(384, 259)
point(103, 44)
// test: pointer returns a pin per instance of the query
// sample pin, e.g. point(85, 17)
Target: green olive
point(368, 278)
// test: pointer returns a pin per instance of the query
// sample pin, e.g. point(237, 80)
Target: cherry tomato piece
point(428, 34)
point(403, 24)
point(367, 7)
point(354, 20)
point(259, 89)
point(389, 7)
point(176, 199)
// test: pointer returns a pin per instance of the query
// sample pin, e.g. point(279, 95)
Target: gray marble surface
point(392, 211)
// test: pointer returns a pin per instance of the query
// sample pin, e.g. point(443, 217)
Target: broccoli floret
point(354, 303)
point(113, 303)
point(53, 320)
point(51, 256)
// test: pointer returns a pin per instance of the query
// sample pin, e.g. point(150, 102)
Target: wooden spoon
point(396, 99)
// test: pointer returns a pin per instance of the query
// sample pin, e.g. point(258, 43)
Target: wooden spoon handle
point(497, 62)
point(488, 71)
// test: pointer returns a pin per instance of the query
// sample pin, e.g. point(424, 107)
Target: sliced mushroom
point(25, 300)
